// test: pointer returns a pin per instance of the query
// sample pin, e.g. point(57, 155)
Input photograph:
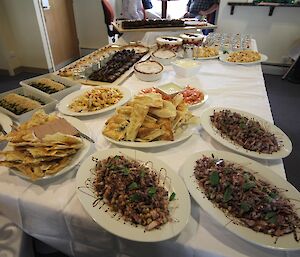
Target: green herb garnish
point(271, 217)
point(242, 125)
point(248, 185)
point(245, 207)
point(227, 194)
point(133, 185)
point(134, 198)
point(172, 196)
point(151, 191)
point(214, 178)
point(273, 195)
point(126, 171)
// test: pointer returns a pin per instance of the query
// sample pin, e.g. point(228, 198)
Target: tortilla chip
point(41, 152)
point(151, 100)
point(177, 99)
point(148, 134)
point(59, 165)
point(62, 139)
point(35, 157)
point(166, 127)
point(167, 111)
point(136, 120)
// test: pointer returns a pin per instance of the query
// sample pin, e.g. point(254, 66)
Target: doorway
point(61, 31)
point(176, 9)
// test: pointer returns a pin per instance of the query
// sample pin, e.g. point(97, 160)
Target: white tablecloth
point(52, 212)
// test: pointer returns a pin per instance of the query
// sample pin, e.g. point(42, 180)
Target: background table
point(52, 212)
point(118, 27)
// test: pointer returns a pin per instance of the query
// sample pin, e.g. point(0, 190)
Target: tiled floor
point(284, 98)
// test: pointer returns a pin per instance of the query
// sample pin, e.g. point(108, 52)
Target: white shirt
point(132, 9)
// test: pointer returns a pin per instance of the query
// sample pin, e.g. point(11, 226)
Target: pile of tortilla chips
point(148, 118)
point(36, 157)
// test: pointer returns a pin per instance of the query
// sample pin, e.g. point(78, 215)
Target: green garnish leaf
point(271, 217)
point(142, 174)
point(225, 52)
point(245, 207)
point(172, 196)
point(117, 157)
point(246, 176)
point(134, 198)
point(273, 195)
point(133, 185)
point(227, 194)
point(214, 178)
point(242, 125)
point(126, 171)
point(268, 199)
point(112, 167)
point(248, 185)
point(273, 220)
point(151, 191)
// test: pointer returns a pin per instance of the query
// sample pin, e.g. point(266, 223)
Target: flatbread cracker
point(136, 120)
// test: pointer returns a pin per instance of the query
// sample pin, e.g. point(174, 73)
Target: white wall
point(90, 26)
point(274, 34)
point(27, 43)
point(20, 35)
point(8, 58)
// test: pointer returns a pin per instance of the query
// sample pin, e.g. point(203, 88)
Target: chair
point(109, 17)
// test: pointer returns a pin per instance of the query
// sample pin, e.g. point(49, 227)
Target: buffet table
point(51, 212)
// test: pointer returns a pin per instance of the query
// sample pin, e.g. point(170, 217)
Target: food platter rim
point(185, 198)
point(186, 173)
point(76, 159)
point(63, 108)
point(205, 123)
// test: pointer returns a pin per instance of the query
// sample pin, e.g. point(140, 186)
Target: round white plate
point(207, 58)
point(174, 88)
point(63, 106)
point(179, 208)
point(76, 158)
point(185, 134)
point(5, 122)
point(285, 142)
point(194, 106)
point(263, 58)
point(286, 242)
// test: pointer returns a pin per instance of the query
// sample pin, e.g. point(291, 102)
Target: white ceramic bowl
point(163, 56)
point(148, 70)
point(186, 67)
